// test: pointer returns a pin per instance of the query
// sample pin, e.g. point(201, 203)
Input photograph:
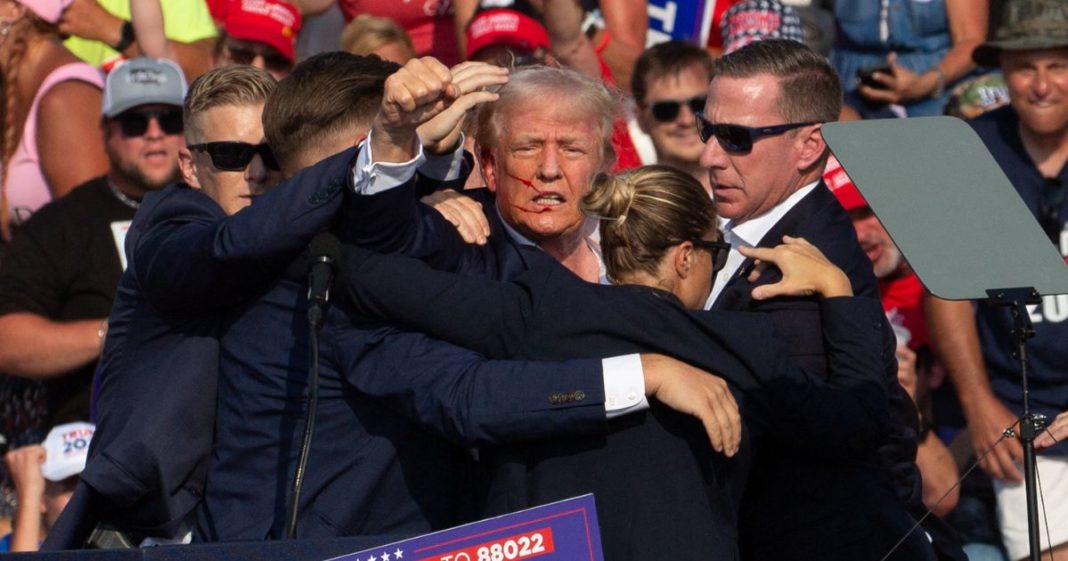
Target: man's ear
point(188, 167)
point(810, 147)
point(489, 163)
point(643, 119)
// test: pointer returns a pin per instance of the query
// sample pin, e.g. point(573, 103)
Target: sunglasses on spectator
point(718, 250)
point(236, 156)
point(1049, 209)
point(135, 123)
point(272, 59)
point(668, 110)
point(737, 139)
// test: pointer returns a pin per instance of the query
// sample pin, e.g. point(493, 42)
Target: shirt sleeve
point(624, 385)
point(370, 177)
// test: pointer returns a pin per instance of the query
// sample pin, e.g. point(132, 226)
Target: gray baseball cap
point(1026, 25)
point(142, 81)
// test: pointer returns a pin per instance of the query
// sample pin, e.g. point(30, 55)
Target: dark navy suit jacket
point(154, 395)
point(800, 506)
point(659, 486)
point(629, 533)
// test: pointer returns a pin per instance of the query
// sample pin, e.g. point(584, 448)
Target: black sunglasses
point(1049, 209)
point(737, 139)
point(135, 123)
point(272, 59)
point(236, 156)
point(718, 250)
point(668, 111)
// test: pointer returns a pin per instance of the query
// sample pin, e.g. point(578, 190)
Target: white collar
point(753, 230)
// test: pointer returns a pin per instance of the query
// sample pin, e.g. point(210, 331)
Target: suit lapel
point(736, 295)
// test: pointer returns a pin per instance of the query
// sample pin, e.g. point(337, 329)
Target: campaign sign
point(685, 20)
point(564, 530)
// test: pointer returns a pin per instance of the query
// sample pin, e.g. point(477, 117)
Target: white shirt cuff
point(624, 385)
point(370, 177)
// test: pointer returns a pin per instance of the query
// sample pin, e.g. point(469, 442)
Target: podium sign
point(564, 530)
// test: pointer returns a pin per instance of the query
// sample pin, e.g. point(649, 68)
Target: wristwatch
point(127, 37)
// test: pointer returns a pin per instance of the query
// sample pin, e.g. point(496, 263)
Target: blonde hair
point(228, 85)
point(645, 211)
point(529, 85)
point(366, 33)
point(18, 36)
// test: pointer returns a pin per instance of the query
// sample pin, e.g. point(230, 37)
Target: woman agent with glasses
point(660, 488)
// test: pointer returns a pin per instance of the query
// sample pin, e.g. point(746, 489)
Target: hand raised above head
point(426, 95)
point(805, 271)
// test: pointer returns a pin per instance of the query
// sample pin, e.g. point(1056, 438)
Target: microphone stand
point(1031, 424)
point(317, 302)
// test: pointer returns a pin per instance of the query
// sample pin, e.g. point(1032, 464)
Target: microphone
point(323, 251)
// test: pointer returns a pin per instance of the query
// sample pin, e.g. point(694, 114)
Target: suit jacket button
point(578, 395)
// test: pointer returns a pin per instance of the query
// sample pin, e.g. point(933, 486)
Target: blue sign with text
point(564, 530)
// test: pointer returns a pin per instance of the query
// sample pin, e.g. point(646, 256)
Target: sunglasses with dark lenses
point(668, 111)
point(718, 250)
point(272, 59)
point(135, 123)
point(236, 156)
point(1049, 209)
point(737, 139)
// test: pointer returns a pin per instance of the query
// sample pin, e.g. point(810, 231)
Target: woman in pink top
point(50, 141)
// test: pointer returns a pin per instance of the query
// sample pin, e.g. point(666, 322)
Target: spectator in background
point(508, 37)
point(58, 279)
point(260, 33)
point(616, 28)
point(45, 476)
point(911, 54)
point(756, 20)
point(370, 35)
point(1029, 141)
point(670, 86)
point(51, 139)
point(102, 34)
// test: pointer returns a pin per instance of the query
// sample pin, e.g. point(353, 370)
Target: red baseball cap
point(842, 186)
point(271, 22)
point(502, 26)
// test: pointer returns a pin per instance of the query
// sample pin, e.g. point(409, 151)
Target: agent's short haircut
point(811, 89)
point(666, 59)
point(547, 86)
point(325, 95)
point(229, 85)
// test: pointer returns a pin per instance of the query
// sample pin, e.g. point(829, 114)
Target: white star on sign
point(397, 554)
point(385, 556)
point(371, 558)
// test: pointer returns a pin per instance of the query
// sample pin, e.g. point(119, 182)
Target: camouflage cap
point(1026, 25)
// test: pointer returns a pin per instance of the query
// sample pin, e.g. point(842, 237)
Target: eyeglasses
point(1049, 209)
point(718, 250)
point(135, 123)
point(667, 111)
point(737, 139)
point(273, 60)
point(236, 156)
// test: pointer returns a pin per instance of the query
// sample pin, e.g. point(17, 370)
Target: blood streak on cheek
point(529, 184)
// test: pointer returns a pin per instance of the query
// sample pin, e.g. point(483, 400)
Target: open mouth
point(548, 200)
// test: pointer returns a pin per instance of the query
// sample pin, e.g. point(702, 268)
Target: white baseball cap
point(66, 448)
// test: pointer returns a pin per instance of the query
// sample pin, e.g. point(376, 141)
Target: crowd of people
point(568, 258)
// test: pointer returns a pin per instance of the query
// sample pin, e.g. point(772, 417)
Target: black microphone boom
point(323, 251)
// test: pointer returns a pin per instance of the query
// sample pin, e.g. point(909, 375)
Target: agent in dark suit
point(765, 156)
point(649, 472)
